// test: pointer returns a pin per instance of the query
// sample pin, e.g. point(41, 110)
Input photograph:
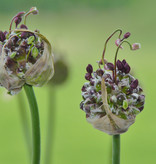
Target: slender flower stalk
point(105, 46)
point(35, 124)
point(116, 149)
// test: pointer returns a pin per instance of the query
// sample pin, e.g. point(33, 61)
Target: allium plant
point(112, 96)
point(26, 60)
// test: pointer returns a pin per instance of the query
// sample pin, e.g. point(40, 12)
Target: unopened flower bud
point(2, 36)
point(127, 68)
point(89, 68)
point(88, 76)
point(117, 42)
point(136, 46)
point(17, 21)
point(134, 84)
point(34, 10)
point(20, 14)
point(119, 64)
point(127, 35)
point(110, 66)
point(23, 26)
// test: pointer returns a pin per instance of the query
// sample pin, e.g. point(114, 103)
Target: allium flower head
point(25, 57)
point(112, 97)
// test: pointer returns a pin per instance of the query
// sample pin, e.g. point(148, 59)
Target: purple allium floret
point(123, 66)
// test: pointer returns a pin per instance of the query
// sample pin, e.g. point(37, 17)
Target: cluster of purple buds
point(26, 56)
point(125, 97)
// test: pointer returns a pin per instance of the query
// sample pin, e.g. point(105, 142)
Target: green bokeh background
point(78, 30)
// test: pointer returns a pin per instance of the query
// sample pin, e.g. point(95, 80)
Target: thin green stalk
point(35, 124)
point(50, 125)
point(116, 149)
point(24, 121)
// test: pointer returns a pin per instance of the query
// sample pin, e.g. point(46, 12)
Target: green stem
point(116, 149)
point(50, 125)
point(35, 124)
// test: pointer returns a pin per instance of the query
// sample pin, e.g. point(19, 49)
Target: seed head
point(112, 97)
point(26, 57)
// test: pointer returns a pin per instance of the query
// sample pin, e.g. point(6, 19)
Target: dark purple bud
point(83, 89)
point(24, 35)
point(11, 64)
point(91, 82)
point(110, 66)
point(20, 14)
point(87, 115)
point(127, 68)
point(142, 98)
point(17, 21)
point(127, 35)
point(89, 68)
point(141, 108)
point(5, 33)
point(140, 90)
point(81, 105)
point(23, 26)
point(128, 91)
point(15, 39)
point(99, 72)
point(119, 65)
point(87, 109)
point(2, 36)
point(88, 76)
point(134, 84)
point(92, 92)
point(124, 62)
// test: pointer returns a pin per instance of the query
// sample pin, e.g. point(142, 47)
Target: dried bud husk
point(37, 74)
point(110, 123)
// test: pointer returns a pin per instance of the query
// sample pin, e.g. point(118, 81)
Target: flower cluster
point(25, 56)
point(125, 98)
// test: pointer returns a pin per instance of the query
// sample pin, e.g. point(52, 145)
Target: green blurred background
point(78, 29)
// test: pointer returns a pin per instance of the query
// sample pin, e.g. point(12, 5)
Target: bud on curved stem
point(107, 42)
point(115, 60)
point(33, 10)
point(19, 15)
